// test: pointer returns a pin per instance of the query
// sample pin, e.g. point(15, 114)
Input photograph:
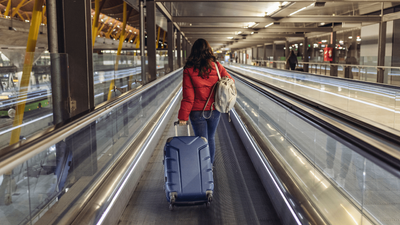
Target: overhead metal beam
point(166, 13)
point(266, 35)
point(275, 29)
point(391, 17)
point(295, 29)
point(274, 1)
point(291, 19)
point(330, 19)
point(222, 19)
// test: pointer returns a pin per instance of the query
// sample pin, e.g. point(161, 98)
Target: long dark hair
point(201, 58)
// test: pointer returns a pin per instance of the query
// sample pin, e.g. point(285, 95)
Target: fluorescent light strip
point(269, 25)
point(297, 11)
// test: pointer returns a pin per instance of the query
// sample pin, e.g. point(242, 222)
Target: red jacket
point(196, 90)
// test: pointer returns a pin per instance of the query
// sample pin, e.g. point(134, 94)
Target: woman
point(292, 60)
point(199, 77)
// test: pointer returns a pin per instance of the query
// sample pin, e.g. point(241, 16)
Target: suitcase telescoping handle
point(176, 124)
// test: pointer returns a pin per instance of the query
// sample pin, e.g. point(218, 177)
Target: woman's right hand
point(182, 122)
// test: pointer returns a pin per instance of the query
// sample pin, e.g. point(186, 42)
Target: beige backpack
point(225, 94)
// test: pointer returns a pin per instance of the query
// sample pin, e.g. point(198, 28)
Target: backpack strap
point(216, 68)
point(212, 90)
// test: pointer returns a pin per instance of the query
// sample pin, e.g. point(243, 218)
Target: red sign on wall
point(328, 54)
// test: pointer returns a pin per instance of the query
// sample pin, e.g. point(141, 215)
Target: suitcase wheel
point(209, 196)
point(209, 199)
point(171, 207)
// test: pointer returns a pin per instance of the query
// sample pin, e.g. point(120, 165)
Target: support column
point(305, 54)
point(245, 57)
point(287, 49)
point(59, 76)
point(381, 51)
point(72, 82)
point(151, 39)
point(184, 51)
point(274, 54)
point(171, 46)
point(333, 69)
point(178, 42)
point(189, 49)
point(74, 35)
point(264, 57)
point(256, 55)
point(142, 41)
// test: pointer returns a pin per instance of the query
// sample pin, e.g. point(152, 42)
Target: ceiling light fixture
point(269, 25)
point(230, 37)
point(239, 32)
point(250, 24)
point(252, 32)
point(297, 11)
point(300, 9)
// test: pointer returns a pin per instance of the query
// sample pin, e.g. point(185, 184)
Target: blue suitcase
point(187, 170)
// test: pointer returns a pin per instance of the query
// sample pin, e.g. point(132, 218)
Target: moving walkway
point(278, 161)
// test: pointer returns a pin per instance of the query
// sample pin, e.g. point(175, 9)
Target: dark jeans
point(206, 127)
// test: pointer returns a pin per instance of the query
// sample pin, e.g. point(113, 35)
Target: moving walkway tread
point(239, 196)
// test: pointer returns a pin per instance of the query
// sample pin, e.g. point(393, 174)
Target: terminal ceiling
point(239, 24)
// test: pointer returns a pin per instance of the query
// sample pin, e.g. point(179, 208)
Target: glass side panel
point(344, 187)
point(25, 82)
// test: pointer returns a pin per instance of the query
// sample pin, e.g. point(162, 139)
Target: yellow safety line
point(95, 25)
point(29, 57)
point(158, 36)
point(8, 8)
point(163, 40)
point(121, 41)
